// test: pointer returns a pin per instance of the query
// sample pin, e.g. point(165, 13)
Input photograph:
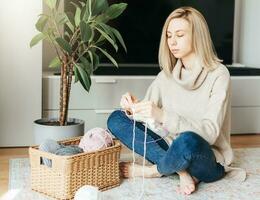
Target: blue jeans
point(189, 151)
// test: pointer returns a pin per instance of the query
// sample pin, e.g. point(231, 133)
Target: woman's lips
point(174, 50)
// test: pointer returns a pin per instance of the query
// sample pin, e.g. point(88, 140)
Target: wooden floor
point(237, 141)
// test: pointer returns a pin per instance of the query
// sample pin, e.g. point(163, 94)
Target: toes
point(186, 190)
point(189, 189)
point(124, 169)
point(179, 190)
point(192, 187)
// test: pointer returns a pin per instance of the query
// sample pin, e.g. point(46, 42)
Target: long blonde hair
point(201, 41)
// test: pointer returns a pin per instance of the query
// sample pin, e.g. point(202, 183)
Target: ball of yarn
point(95, 139)
point(69, 150)
point(87, 192)
point(50, 146)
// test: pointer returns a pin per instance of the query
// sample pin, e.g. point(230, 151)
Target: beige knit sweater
point(196, 100)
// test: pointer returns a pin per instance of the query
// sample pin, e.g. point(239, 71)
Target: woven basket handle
point(36, 156)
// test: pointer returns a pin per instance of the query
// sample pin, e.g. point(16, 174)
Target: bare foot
point(126, 169)
point(187, 184)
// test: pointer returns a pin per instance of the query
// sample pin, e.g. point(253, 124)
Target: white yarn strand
point(145, 138)
point(133, 152)
point(133, 156)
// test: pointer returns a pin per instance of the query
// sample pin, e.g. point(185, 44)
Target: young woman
point(190, 100)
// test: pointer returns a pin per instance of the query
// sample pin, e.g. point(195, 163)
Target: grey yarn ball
point(50, 146)
point(69, 150)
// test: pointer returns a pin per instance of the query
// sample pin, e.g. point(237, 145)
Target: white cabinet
point(245, 104)
point(105, 93)
point(93, 107)
point(20, 72)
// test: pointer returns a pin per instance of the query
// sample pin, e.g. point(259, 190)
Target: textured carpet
point(156, 188)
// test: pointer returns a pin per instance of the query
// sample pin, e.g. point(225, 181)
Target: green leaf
point(82, 4)
point(100, 40)
point(99, 6)
point(95, 63)
point(77, 16)
point(70, 22)
point(84, 60)
point(115, 10)
point(91, 56)
point(37, 38)
point(41, 23)
point(119, 37)
point(92, 36)
point(112, 12)
point(108, 38)
point(108, 30)
point(112, 32)
point(85, 31)
point(50, 3)
point(55, 62)
point(82, 76)
point(85, 13)
point(107, 55)
point(66, 34)
point(89, 7)
point(62, 19)
point(86, 64)
point(76, 74)
point(64, 44)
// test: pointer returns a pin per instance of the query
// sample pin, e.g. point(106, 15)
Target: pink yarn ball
point(95, 139)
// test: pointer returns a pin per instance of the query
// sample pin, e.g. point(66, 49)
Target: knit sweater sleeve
point(153, 92)
point(209, 126)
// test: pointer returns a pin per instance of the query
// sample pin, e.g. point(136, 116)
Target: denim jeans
point(189, 151)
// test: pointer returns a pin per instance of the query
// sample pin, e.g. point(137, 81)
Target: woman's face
point(179, 37)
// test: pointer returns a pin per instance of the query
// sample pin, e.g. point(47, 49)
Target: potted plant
point(78, 49)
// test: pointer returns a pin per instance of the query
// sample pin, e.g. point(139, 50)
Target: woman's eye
point(180, 35)
point(168, 36)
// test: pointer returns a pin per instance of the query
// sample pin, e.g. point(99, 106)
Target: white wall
point(247, 32)
point(20, 71)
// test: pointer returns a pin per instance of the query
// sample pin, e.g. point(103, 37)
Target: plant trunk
point(61, 96)
point(70, 68)
point(64, 93)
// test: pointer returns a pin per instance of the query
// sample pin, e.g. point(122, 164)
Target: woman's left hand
point(148, 109)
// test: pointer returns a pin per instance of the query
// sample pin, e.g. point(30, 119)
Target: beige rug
point(155, 188)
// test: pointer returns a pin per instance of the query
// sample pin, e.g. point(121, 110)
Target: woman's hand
point(149, 109)
point(127, 100)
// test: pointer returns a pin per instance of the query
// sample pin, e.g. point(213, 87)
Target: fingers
point(135, 100)
point(128, 97)
point(142, 106)
point(124, 103)
point(127, 100)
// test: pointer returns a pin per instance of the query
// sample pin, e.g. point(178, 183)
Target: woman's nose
point(173, 41)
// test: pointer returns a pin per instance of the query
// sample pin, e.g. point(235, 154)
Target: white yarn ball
point(88, 192)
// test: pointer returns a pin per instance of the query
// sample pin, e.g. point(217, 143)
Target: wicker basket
point(69, 173)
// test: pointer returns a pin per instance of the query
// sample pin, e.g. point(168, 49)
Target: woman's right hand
point(127, 100)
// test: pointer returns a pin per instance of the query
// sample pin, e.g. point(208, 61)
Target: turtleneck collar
point(191, 78)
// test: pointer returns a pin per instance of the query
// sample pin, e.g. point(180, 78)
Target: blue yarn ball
point(50, 146)
point(69, 150)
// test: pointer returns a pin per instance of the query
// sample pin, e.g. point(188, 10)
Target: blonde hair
point(201, 41)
